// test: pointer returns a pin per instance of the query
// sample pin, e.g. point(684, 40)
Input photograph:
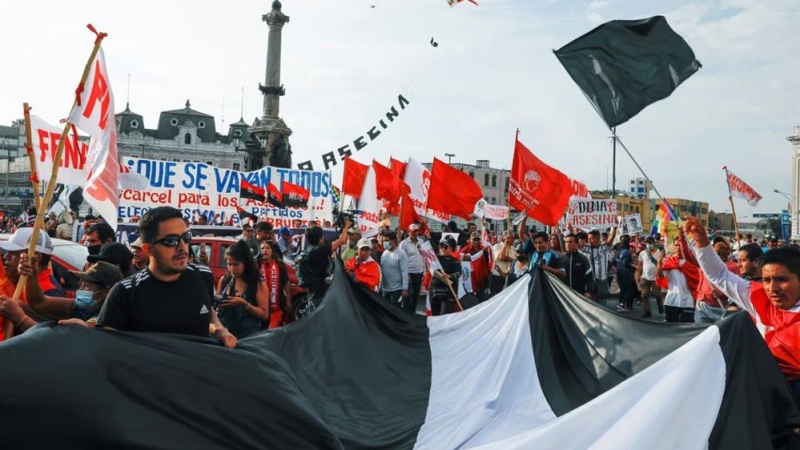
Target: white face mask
point(84, 298)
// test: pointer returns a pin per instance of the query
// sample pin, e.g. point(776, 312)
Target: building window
point(176, 159)
point(187, 138)
point(163, 158)
point(507, 180)
point(201, 124)
point(237, 133)
point(486, 179)
point(236, 166)
point(134, 123)
point(494, 200)
point(209, 163)
point(494, 180)
point(472, 175)
point(173, 122)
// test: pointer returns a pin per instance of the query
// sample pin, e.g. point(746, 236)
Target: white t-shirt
point(678, 293)
point(648, 265)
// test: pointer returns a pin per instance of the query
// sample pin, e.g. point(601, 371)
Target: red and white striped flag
point(741, 189)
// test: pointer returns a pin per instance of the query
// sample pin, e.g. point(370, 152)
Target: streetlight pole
point(449, 157)
point(789, 208)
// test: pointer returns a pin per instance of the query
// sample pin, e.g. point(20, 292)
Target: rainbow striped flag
point(336, 198)
point(665, 214)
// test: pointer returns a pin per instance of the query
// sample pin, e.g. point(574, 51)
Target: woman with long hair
point(273, 271)
point(242, 294)
point(555, 244)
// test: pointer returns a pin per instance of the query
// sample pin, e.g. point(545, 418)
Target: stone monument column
point(271, 132)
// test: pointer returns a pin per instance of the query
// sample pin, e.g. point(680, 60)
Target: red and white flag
point(45, 137)
point(94, 114)
point(418, 179)
point(741, 189)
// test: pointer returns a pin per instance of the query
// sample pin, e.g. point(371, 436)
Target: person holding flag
point(478, 257)
point(442, 291)
point(774, 303)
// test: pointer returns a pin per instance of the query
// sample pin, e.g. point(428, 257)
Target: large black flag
point(624, 65)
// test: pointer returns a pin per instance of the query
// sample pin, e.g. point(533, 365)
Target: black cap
point(104, 273)
point(113, 252)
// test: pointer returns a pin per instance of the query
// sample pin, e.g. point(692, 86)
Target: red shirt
point(368, 273)
point(780, 327)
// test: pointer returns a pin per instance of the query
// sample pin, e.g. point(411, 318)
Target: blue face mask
point(84, 299)
point(387, 245)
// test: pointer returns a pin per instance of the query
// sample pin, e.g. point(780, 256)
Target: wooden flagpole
point(51, 185)
point(31, 157)
point(733, 208)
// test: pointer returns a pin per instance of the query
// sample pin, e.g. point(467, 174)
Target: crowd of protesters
point(155, 284)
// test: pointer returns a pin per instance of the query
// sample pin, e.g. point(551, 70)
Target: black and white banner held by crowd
point(553, 372)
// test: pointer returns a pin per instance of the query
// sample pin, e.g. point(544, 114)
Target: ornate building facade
point(182, 135)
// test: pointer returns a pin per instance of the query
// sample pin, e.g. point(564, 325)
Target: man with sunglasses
point(171, 295)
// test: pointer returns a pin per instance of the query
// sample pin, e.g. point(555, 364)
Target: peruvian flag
point(388, 187)
point(536, 188)
point(354, 175)
point(453, 191)
point(94, 114)
point(294, 195)
point(741, 189)
point(398, 168)
point(251, 191)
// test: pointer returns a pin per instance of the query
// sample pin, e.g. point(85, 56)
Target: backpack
point(305, 270)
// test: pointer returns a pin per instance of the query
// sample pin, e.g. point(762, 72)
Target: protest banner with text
point(202, 189)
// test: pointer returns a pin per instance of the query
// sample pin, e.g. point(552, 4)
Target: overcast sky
point(345, 62)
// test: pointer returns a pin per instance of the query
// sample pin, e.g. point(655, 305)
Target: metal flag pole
point(614, 162)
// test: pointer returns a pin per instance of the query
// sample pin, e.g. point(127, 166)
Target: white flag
point(94, 114)
point(370, 206)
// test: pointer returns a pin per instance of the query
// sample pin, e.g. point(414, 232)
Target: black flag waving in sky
point(624, 65)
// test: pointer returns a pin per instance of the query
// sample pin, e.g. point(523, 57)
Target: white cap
point(413, 227)
point(22, 237)
point(365, 242)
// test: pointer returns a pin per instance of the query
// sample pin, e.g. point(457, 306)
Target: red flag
point(536, 188)
point(452, 191)
point(408, 215)
point(354, 175)
point(398, 168)
point(388, 187)
point(251, 191)
point(294, 195)
point(741, 189)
